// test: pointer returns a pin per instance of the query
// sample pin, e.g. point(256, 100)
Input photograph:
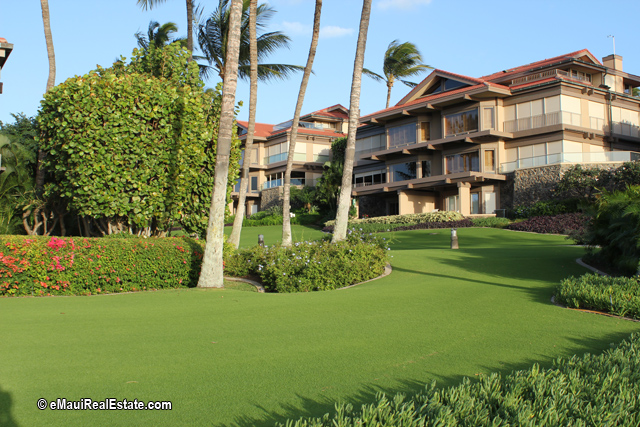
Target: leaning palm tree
point(157, 35)
point(400, 60)
point(212, 37)
point(211, 275)
point(150, 4)
point(286, 219)
point(344, 200)
point(236, 231)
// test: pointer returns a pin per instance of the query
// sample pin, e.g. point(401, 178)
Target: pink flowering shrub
point(79, 266)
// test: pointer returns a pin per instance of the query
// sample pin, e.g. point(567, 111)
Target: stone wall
point(535, 184)
point(271, 197)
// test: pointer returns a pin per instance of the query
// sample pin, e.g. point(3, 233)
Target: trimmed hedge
point(592, 390)
point(615, 295)
point(37, 265)
point(405, 219)
point(312, 266)
point(558, 224)
point(492, 222)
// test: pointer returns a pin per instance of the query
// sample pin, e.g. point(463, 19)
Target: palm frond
point(375, 76)
point(149, 4)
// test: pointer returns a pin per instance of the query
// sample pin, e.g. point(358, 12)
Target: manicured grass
point(225, 357)
point(273, 234)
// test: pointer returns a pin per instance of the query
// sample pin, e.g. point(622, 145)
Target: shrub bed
point(558, 224)
point(312, 266)
point(615, 295)
point(466, 222)
point(547, 208)
point(593, 390)
point(405, 219)
point(492, 222)
point(36, 265)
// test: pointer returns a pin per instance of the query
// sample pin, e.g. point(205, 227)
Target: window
point(464, 122)
point(425, 131)
point(487, 118)
point(370, 178)
point(370, 144)
point(489, 161)
point(462, 163)
point(276, 153)
point(403, 171)
point(402, 135)
point(254, 183)
point(451, 203)
point(475, 203)
point(426, 168)
point(321, 153)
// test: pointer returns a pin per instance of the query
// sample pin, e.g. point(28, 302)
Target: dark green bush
point(615, 295)
point(547, 208)
point(592, 390)
point(312, 266)
point(492, 222)
point(558, 224)
point(79, 266)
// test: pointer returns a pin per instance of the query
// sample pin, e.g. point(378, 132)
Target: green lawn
point(230, 357)
point(273, 234)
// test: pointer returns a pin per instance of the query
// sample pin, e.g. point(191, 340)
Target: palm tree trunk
point(389, 86)
point(212, 272)
point(234, 238)
point(286, 207)
point(190, 28)
point(344, 200)
point(51, 81)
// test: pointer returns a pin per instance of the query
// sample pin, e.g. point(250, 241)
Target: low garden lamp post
point(454, 238)
point(261, 239)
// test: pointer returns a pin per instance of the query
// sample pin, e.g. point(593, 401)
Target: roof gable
point(436, 82)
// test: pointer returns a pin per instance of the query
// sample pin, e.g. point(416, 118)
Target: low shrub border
point(37, 265)
point(558, 224)
point(312, 266)
point(588, 390)
point(407, 219)
point(615, 295)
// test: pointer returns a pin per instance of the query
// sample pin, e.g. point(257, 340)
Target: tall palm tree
point(286, 220)
point(344, 200)
point(150, 4)
point(400, 60)
point(212, 272)
point(236, 231)
point(157, 35)
point(212, 37)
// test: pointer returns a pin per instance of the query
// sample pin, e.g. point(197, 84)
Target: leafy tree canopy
point(134, 145)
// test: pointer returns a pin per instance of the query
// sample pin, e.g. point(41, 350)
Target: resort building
point(478, 145)
point(5, 50)
point(316, 132)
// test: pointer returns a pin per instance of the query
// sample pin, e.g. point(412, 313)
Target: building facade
point(268, 155)
point(456, 142)
point(5, 50)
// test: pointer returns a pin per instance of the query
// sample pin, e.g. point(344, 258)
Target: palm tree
point(400, 60)
point(286, 219)
point(212, 37)
point(150, 4)
point(212, 272)
point(344, 200)
point(236, 231)
point(158, 35)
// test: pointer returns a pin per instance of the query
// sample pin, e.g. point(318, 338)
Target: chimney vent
point(613, 61)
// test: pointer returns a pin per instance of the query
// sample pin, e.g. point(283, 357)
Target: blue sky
point(473, 38)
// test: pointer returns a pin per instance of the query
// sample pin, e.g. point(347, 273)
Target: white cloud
point(401, 4)
point(295, 28)
point(331, 31)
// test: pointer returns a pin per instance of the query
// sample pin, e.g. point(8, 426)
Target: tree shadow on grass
point(314, 407)
point(6, 402)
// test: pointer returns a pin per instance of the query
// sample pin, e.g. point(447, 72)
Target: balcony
point(542, 120)
point(297, 157)
point(547, 74)
point(304, 125)
point(552, 159)
point(294, 181)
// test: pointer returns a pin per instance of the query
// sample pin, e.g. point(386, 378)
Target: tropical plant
point(149, 129)
point(236, 231)
point(212, 267)
point(150, 4)
point(401, 60)
point(328, 186)
point(158, 35)
point(286, 222)
point(344, 200)
point(213, 34)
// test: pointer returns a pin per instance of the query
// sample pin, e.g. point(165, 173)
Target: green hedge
point(444, 216)
point(36, 265)
point(593, 390)
point(312, 266)
point(492, 222)
point(616, 295)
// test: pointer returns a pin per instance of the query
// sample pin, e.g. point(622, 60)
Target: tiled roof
point(262, 129)
point(336, 113)
point(3, 40)
point(538, 64)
